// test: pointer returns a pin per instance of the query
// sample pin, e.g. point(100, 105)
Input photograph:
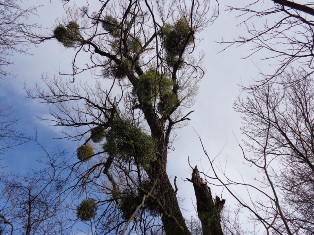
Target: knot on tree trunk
point(208, 209)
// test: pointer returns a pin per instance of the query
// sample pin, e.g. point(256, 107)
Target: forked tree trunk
point(173, 221)
point(208, 209)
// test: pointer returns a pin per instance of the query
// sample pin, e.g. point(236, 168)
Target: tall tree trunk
point(208, 209)
point(29, 214)
point(172, 218)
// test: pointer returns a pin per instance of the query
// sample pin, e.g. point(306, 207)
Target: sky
point(214, 119)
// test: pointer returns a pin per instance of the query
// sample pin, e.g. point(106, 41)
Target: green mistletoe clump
point(84, 152)
point(87, 209)
point(69, 35)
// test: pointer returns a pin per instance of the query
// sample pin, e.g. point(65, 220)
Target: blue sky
point(214, 119)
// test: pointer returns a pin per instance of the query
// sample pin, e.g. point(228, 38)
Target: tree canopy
point(146, 55)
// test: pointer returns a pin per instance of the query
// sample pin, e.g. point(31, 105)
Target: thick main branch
point(296, 6)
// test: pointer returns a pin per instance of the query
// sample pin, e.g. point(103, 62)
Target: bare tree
point(281, 30)
point(278, 125)
point(13, 31)
point(144, 51)
point(277, 113)
point(10, 136)
point(34, 203)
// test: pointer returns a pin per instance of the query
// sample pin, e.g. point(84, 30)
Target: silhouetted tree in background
point(13, 39)
point(34, 202)
point(10, 136)
point(277, 114)
point(281, 30)
point(278, 123)
point(13, 30)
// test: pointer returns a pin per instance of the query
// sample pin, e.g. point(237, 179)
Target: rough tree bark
point(293, 5)
point(173, 221)
point(208, 209)
point(165, 195)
